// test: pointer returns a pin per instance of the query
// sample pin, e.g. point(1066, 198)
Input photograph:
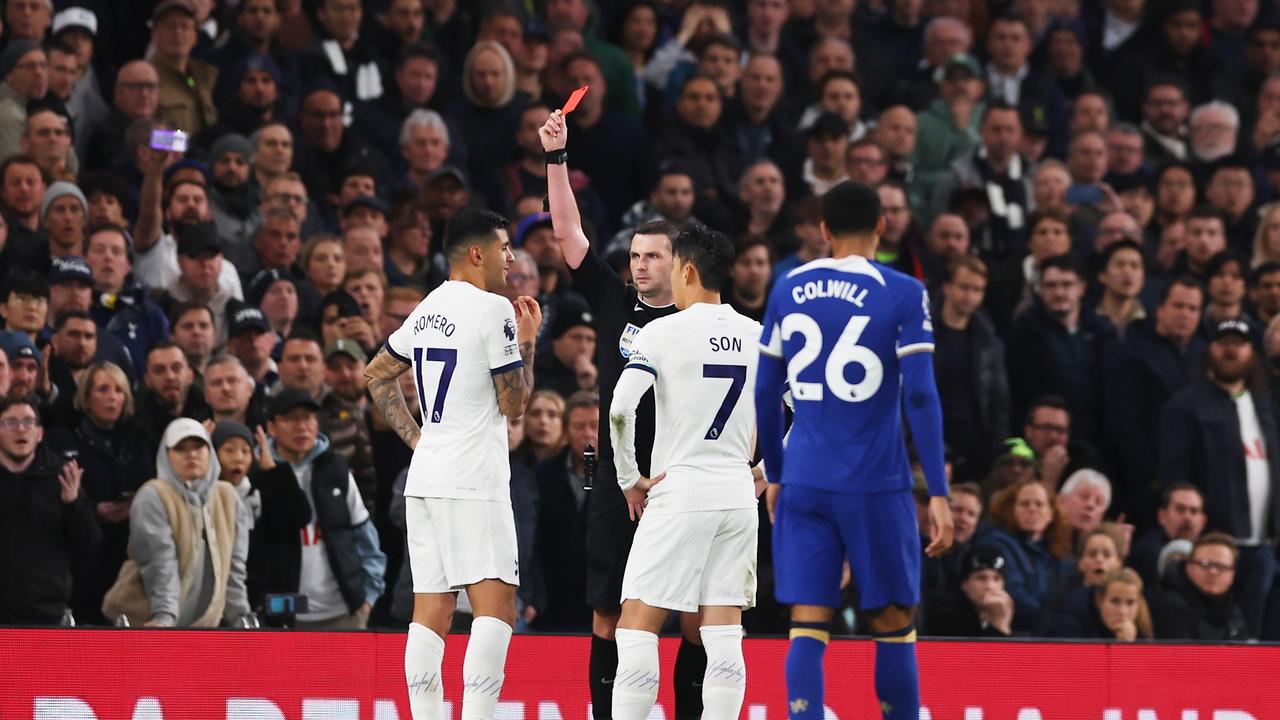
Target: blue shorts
point(815, 530)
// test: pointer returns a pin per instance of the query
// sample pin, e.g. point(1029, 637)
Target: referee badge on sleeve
point(627, 339)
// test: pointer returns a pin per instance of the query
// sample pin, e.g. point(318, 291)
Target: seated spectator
point(23, 189)
point(408, 254)
point(1098, 552)
point(981, 607)
point(251, 341)
point(397, 305)
point(205, 276)
point(813, 242)
point(569, 366)
point(24, 303)
point(1122, 275)
point(488, 115)
point(24, 68)
point(1180, 517)
point(825, 143)
point(1264, 291)
point(362, 248)
point(233, 445)
point(326, 147)
point(340, 318)
point(188, 541)
point(368, 285)
point(671, 200)
point(195, 330)
point(1266, 241)
point(1196, 599)
point(1205, 237)
point(47, 517)
point(970, 370)
point(1224, 296)
point(947, 241)
point(1015, 463)
point(64, 214)
point(543, 428)
point(562, 505)
point(1112, 609)
point(301, 365)
point(341, 54)
point(233, 200)
point(169, 392)
point(275, 292)
point(762, 192)
point(4, 372)
point(324, 261)
point(694, 138)
point(1031, 532)
point(343, 584)
point(1016, 281)
point(1085, 497)
point(750, 277)
point(231, 394)
point(26, 376)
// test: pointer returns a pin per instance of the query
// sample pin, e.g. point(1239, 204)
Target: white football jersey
point(703, 360)
point(456, 340)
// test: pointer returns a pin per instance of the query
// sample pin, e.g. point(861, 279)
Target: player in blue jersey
point(854, 342)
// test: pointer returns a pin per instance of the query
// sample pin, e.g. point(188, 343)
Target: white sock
point(423, 654)
point(483, 667)
point(725, 683)
point(635, 685)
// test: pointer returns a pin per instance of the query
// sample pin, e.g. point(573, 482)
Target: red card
point(574, 98)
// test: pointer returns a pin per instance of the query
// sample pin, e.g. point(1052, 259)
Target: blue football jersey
point(841, 327)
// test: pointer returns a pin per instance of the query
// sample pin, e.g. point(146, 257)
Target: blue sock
point(804, 670)
point(897, 679)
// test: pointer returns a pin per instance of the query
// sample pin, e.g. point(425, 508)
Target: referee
point(620, 310)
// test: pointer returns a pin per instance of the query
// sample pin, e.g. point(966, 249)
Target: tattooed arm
point(382, 375)
point(515, 386)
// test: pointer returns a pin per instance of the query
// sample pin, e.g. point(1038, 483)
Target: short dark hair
point(748, 241)
point(999, 106)
point(710, 251)
point(469, 226)
point(29, 400)
point(1041, 214)
point(573, 57)
point(416, 50)
point(104, 183)
point(1054, 402)
point(164, 345)
point(67, 315)
point(1164, 80)
point(1117, 246)
point(1166, 497)
point(706, 42)
point(1184, 280)
point(695, 76)
point(303, 334)
point(1267, 268)
point(659, 227)
point(1065, 263)
point(1221, 260)
point(1013, 17)
point(837, 74)
point(1217, 538)
point(851, 208)
point(182, 308)
point(1207, 212)
point(972, 263)
point(24, 283)
point(22, 159)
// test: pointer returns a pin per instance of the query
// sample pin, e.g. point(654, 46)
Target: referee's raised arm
point(566, 223)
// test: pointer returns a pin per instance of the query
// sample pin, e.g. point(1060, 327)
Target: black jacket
point(1200, 443)
point(40, 537)
point(1149, 370)
point(116, 462)
point(1077, 617)
point(285, 513)
point(152, 417)
point(1044, 358)
point(988, 385)
point(561, 542)
point(713, 159)
point(1179, 611)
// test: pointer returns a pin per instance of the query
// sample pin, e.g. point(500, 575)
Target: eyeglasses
point(1215, 567)
point(15, 423)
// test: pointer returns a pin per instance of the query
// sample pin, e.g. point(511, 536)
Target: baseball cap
point(1017, 448)
point(1231, 327)
point(263, 281)
point(184, 428)
point(530, 224)
point(75, 17)
point(196, 239)
point(447, 171)
point(165, 6)
point(242, 317)
point(18, 345)
point(290, 399)
point(72, 268)
point(982, 557)
point(345, 346)
point(965, 61)
point(372, 202)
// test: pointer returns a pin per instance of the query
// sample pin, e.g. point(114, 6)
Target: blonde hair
point(1129, 577)
point(508, 68)
point(81, 399)
point(1260, 235)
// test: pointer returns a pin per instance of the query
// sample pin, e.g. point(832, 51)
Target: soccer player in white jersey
point(695, 548)
point(472, 359)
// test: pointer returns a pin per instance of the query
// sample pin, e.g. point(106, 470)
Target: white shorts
point(681, 561)
point(456, 543)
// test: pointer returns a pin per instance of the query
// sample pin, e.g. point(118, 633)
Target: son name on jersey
point(726, 344)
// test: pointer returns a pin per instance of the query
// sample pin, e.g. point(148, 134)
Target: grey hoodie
point(152, 546)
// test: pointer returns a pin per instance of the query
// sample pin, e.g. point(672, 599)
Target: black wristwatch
point(557, 157)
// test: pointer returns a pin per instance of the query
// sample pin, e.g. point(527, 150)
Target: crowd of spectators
point(1086, 187)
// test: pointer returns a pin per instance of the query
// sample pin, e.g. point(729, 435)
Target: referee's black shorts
point(609, 535)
